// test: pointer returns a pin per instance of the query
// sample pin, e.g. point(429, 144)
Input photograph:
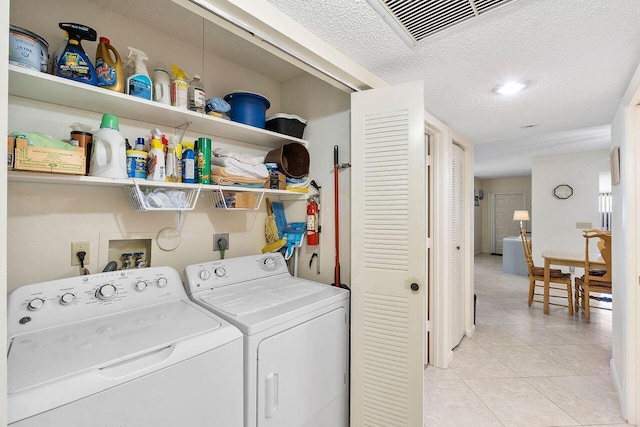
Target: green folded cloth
point(41, 140)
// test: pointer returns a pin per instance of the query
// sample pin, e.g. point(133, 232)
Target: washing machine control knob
point(106, 292)
point(67, 299)
point(204, 274)
point(141, 286)
point(270, 263)
point(35, 304)
point(220, 271)
point(162, 282)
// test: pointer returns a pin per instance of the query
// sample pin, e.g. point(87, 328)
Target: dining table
point(568, 259)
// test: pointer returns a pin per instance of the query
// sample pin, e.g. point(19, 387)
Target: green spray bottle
point(74, 64)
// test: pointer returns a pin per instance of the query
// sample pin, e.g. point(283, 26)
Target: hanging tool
point(318, 201)
point(336, 167)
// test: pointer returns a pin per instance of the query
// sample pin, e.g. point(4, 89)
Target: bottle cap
point(197, 77)
point(104, 39)
point(109, 121)
point(140, 144)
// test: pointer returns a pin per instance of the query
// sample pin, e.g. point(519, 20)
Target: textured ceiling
point(578, 54)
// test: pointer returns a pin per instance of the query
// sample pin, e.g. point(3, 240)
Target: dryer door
point(302, 370)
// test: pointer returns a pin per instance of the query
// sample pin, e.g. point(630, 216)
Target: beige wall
point(498, 185)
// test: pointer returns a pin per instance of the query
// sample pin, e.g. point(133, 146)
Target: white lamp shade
point(521, 215)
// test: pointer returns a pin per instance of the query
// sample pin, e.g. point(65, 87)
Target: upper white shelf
point(55, 90)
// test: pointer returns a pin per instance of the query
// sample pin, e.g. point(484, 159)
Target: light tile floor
point(521, 367)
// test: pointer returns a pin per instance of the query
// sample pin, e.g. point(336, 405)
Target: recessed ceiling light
point(510, 88)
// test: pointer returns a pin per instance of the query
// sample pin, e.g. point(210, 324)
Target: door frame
point(492, 217)
point(443, 138)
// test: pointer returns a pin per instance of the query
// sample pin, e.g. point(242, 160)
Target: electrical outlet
point(77, 247)
point(216, 239)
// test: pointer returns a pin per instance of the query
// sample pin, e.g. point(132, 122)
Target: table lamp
point(521, 216)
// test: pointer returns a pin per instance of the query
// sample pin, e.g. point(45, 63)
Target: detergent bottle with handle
point(109, 68)
point(139, 82)
point(109, 152)
point(74, 63)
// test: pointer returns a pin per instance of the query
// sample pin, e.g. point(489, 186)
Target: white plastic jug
point(108, 155)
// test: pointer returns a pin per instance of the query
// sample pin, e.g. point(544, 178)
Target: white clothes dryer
point(296, 338)
point(124, 348)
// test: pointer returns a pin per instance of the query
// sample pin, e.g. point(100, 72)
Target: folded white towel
point(242, 158)
point(235, 167)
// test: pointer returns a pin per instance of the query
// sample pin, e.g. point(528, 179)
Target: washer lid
point(51, 354)
point(260, 295)
point(257, 305)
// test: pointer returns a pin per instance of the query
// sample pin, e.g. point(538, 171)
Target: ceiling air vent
point(415, 20)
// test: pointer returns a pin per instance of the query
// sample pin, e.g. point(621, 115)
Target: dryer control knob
point(35, 304)
point(162, 282)
point(204, 274)
point(220, 272)
point(106, 292)
point(141, 286)
point(270, 263)
point(67, 299)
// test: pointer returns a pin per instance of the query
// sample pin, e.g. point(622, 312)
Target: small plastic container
point(137, 164)
point(287, 124)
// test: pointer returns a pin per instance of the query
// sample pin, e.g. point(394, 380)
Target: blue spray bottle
point(74, 63)
point(139, 82)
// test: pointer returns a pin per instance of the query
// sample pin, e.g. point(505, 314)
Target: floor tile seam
point(483, 402)
point(553, 400)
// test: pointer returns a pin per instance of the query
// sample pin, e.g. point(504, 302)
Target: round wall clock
point(563, 191)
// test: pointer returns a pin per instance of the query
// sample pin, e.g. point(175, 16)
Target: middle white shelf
point(56, 90)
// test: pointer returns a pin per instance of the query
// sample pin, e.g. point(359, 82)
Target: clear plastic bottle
point(197, 97)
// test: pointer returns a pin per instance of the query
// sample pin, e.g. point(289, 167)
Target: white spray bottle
point(139, 82)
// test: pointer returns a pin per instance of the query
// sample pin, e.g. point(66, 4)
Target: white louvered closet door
point(456, 265)
point(388, 256)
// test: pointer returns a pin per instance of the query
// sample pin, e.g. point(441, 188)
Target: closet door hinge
point(428, 160)
point(428, 326)
point(428, 243)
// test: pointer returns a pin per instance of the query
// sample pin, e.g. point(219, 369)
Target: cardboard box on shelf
point(11, 144)
point(245, 201)
point(40, 159)
point(276, 181)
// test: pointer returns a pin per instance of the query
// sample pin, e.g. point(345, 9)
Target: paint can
point(27, 49)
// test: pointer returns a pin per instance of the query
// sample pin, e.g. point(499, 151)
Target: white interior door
point(503, 224)
point(456, 264)
point(388, 255)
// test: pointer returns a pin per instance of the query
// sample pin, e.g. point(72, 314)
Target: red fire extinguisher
point(313, 235)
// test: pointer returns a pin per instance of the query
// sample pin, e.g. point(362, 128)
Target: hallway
point(522, 368)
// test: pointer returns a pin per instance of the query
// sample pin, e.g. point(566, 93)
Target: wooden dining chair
point(558, 280)
point(594, 281)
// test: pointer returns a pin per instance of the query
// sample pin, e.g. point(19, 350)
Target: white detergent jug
point(108, 155)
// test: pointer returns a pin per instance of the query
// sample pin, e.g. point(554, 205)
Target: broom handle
point(337, 215)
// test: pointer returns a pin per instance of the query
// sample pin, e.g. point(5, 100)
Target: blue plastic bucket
point(248, 108)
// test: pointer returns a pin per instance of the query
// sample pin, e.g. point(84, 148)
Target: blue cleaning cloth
point(218, 105)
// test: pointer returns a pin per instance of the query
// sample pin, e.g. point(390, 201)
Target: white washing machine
point(296, 336)
point(124, 348)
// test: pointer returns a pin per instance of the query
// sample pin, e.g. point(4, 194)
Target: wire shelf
point(139, 198)
point(236, 200)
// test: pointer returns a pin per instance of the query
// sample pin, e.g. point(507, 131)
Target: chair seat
point(595, 286)
point(554, 272)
